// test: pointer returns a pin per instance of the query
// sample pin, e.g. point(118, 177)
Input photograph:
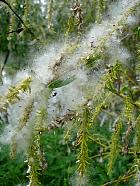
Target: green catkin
point(26, 114)
point(13, 94)
point(128, 109)
point(82, 143)
point(129, 117)
point(35, 159)
point(114, 147)
point(100, 7)
point(50, 14)
point(70, 26)
point(26, 11)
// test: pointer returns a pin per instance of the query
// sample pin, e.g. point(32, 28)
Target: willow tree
point(84, 84)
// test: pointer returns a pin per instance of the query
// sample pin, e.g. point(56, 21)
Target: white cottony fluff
point(57, 63)
point(119, 7)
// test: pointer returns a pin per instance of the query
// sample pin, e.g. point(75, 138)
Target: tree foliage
point(95, 117)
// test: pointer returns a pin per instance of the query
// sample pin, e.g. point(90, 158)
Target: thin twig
point(123, 178)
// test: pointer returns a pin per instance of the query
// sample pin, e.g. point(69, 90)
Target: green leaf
point(60, 83)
